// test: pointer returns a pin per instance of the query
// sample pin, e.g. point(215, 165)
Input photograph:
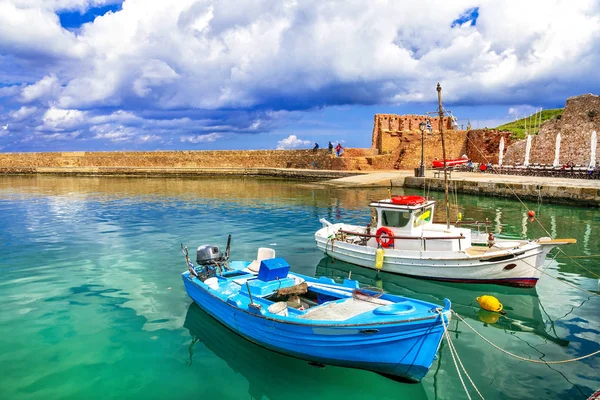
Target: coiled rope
point(519, 357)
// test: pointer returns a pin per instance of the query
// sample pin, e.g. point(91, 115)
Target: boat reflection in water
point(524, 312)
point(275, 376)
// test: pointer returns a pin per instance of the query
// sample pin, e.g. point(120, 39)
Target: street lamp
point(422, 126)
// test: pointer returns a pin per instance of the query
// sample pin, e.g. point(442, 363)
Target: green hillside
point(518, 127)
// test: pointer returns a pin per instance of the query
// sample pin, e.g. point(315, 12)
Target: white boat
point(406, 241)
point(413, 245)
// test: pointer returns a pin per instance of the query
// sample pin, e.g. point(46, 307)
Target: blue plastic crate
point(275, 268)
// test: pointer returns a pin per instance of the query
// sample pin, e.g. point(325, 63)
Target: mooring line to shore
point(454, 354)
point(527, 208)
point(523, 358)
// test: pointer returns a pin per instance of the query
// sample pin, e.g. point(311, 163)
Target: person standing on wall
point(316, 147)
point(330, 148)
point(339, 149)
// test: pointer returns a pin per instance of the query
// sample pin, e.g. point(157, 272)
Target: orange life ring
point(387, 240)
point(408, 200)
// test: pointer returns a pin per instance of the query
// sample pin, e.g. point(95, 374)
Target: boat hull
point(404, 350)
point(522, 269)
point(449, 163)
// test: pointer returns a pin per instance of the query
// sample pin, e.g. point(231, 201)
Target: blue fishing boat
point(317, 320)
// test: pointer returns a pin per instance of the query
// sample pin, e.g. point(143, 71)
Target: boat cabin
point(411, 217)
point(404, 215)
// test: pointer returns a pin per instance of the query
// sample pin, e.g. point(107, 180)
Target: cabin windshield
point(395, 219)
point(423, 216)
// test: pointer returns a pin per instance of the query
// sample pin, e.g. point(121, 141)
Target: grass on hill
point(518, 127)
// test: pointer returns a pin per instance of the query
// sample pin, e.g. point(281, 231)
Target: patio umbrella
point(556, 151)
point(593, 150)
point(501, 155)
point(527, 151)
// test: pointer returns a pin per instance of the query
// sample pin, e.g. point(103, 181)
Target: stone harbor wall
point(307, 159)
point(580, 118)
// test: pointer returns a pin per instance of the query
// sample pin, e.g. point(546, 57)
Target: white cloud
point(31, 27)
point(292, 142)
point(149, 138)
point(211, 137)
point(114, 134)
point(60, 119)
point(23, 113)
point(46, 87)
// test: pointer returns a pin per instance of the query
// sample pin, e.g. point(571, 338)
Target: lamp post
point(422, 126)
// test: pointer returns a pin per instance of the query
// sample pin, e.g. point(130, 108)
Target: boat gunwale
point(444, 310)
point(524, 254)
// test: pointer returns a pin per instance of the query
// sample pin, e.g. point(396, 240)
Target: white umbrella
point(593, 150)
point(556, 151)
point(527, 151)
point(501, 155)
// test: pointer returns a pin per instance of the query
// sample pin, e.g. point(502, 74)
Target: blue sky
point(256, 74)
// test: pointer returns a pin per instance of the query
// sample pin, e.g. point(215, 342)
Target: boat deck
point(340, 310)
point(477, 251)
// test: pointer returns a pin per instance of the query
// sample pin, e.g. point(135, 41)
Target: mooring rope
point(519, 357)
point(560, 280)
point(526, 207)
point(455, 356)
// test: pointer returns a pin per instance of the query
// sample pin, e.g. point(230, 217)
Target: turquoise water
point(92, 303)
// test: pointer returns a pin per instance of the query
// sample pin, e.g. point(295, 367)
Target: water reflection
point(274, 376)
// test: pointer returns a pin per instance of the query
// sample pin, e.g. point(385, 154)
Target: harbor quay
point(581, 192)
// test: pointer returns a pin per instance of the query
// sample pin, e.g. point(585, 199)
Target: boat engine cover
point(208, 253)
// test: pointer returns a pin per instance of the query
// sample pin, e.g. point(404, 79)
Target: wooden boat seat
point(340, 310)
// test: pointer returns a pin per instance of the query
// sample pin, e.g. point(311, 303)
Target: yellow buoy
point(489, 303)
point(459, 217)
point(379, 258)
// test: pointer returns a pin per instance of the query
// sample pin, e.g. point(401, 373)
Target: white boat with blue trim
point(407, 242)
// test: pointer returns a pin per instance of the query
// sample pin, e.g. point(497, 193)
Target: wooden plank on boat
point(557, 241)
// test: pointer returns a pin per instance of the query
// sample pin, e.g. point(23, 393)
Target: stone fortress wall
point(400, 136)
point(580, 118)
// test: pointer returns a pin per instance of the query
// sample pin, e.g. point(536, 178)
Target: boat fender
point(379, 258)
point(489, 303)
point(386, 241)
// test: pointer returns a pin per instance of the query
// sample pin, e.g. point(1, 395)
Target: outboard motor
point(210, 260)
point(208, 254)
